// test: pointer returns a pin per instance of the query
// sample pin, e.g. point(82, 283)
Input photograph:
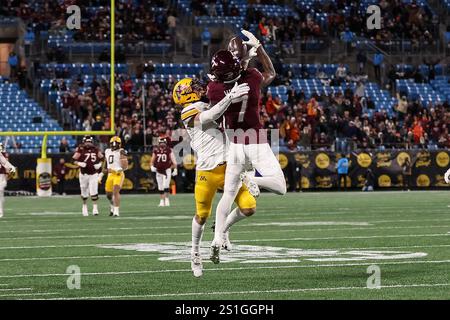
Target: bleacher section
point(20, 113)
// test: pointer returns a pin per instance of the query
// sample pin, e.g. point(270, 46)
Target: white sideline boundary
point(215, 293)
point(116, 273)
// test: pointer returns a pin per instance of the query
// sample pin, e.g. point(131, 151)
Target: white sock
point(275, 184)
point(2, 201)
point(116, 211)
point(235, 216)
point(94, 207)
point(222, 211)
point(167, 202)
point(197, 233)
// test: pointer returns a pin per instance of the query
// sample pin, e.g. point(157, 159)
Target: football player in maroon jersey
point(90, 159)
point(249, 147)
point(6, 169)
point(164, 164)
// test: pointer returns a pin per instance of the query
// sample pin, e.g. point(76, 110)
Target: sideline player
point(116, 163)
point(164, 164)
point(90, 159)
point(209, 144)
point(248, 140)
point(6, 169)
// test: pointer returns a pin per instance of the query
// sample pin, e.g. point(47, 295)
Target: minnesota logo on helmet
point(115, 143)
point(186, 91)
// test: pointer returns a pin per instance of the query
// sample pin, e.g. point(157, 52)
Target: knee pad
point(166, 190)
point(84, 198)
point(161, 191)
point(94, 197)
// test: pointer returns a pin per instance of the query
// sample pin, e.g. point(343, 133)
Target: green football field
point(300, 246)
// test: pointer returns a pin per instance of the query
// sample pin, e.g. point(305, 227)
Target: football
point(237, 47)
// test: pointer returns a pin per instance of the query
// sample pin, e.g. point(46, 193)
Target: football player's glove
point(175, 172)
point(97, 165)
point(81, 164)
point(447, 176)
point(252, 40)
point(153, 169)
point(12, 170)
point(238, 91)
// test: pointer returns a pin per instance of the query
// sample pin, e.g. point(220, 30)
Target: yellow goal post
point(45, 134)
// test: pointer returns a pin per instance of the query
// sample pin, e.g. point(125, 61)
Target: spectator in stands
point(377, 62)
point(361, 59)
point(98, 124)
point(206, 43)
point(13, 62)
point(347, 36)
point(59, 172)
point(64, 146)
point(342, 167)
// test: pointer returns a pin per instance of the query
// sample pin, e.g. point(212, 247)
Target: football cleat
point(162, 203)
point(214, 253)
point(251, 185)
point(197, 265)
point(226, 245)
point(167, 202)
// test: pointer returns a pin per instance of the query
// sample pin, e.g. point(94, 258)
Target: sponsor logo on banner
point(144, 162)
point(305, 183)
point(383, 159)
point(423, 181)
point(324, 182)
point(423, 159)
point(364, 160)
point(322, 160)
point(384, 180)
point(283, 160)
point(442, 159)
point(401, 157)
point(303, 159)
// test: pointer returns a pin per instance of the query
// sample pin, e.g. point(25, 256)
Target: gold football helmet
point(115, 143)
point(187, 91)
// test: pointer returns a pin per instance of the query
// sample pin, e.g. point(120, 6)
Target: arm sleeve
point(215, 112)
point(5, 163)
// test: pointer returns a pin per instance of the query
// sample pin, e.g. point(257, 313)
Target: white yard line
point(243, 226)
point(156, 253)
point(115, 273)
point(237, 232)
point(349, 237)
point(28, 294)
point(215, 293)
point(16, 289)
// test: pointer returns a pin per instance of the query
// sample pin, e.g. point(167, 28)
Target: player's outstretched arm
point(5, 163)
point(174, 164)
point(123, 160)
point(219, 108)
point(269, 72)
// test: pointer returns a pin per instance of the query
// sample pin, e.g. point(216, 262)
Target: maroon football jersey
point(90, 155)
point(162, 158)
point(244, 114)
point(2, 168)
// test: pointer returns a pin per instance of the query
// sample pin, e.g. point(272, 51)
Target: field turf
point(300, 246)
